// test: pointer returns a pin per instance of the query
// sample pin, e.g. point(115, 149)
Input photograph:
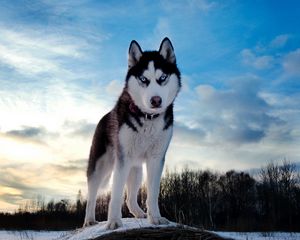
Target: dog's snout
point(156, 101)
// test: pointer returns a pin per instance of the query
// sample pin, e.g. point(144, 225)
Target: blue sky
point(63, 64)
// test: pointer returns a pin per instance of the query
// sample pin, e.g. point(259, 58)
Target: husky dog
point(138, 130)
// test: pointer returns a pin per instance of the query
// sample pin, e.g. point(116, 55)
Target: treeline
point(233, 201)
point(38, 215)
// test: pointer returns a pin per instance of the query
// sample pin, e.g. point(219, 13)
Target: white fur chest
point(150, 140)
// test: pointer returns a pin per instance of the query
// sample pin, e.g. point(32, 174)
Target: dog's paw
point(140, 215)
point(113, 224)
point(89, 223)
point(158, 220)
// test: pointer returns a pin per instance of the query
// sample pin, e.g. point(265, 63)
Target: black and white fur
point(138, 130)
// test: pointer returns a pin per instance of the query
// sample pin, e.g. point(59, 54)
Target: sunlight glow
point(20, 151)
point(12, 191)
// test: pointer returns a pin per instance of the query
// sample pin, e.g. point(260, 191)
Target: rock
point(141, 229)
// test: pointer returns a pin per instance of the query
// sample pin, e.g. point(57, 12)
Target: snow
point(100, 230)
point(260, 235)
point(30, 235)
point(132, 223)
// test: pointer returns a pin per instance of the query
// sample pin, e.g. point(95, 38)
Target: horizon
point(63, 65)
point(38, 202)
point(30, 205)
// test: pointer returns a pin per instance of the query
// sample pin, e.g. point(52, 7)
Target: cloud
point(279, 41)
point(64, 170)
point(19, 182)
point(59, 76)
point(80, 128)
point(31, 52)
point(28, 132)
point(265, 56)
point(238, 124)
point(114, 88)
point(291, 63)
point(286, 108)
point(203, 5)
point(188, 6)
point(186, 136)
point(34, 140)
point(11, 198)
point(234, 115)
point(257, 62)
point(162, 29)
point(17, 177)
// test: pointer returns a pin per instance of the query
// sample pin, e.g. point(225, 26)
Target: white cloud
point(291, 63)
point(162, 29)
point(40, 93)
point(257, 62)
point(279, 41)
point(234, 115)
point(19, 150)
point(190, 5)
point(239, 126)
point(288, 110)
point(50, 106)
point(114, 88)
point(205, 91)
point(32, 52)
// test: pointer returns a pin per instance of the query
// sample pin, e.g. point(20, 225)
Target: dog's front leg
point(154, 171)
point(114, 212)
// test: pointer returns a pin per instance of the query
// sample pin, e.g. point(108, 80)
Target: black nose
point(155, 101)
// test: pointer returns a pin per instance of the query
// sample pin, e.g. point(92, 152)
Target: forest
point(268, 200)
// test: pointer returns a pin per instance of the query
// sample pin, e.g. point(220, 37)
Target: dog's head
point(153, 79)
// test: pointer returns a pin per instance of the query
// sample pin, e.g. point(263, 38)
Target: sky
point(63, 65)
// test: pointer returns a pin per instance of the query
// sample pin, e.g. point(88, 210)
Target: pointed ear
point(167, 51)
point(134, 54)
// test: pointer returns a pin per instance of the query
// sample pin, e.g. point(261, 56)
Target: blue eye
point(163, 77)
point(143, 79)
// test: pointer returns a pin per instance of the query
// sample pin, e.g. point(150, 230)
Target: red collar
point(134, 109)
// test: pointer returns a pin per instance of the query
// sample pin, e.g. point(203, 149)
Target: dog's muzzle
point(156, 101)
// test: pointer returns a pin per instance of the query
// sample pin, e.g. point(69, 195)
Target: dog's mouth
point(156, 110)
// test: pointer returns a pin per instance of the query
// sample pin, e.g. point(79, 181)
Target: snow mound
point(140, 229)
point(99, 229)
